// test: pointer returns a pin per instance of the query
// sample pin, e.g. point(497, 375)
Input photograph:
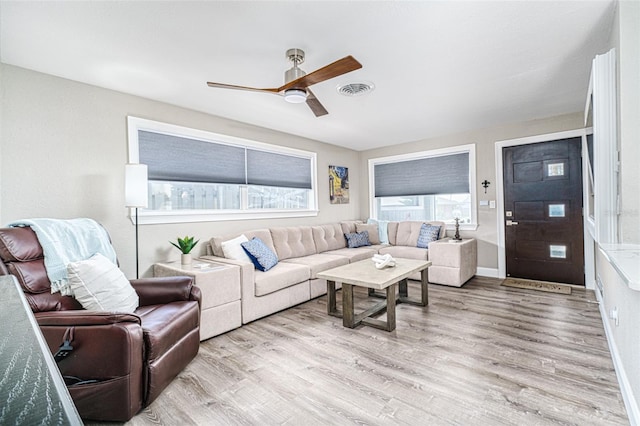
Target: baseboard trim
point(630, 403)
point(487, 272)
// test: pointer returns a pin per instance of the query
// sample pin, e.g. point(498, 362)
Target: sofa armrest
point(162, 290)
point(247, 274)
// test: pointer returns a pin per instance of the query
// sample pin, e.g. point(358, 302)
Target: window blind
point(447, 174)
point(271, 169)
point(175, 158)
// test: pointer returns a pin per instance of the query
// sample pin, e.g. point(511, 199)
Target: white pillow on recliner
point(99, 285)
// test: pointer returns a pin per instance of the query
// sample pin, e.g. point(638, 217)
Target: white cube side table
point(453, 263)
point(220, 287)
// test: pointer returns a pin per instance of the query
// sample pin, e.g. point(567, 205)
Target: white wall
point(64, 146)
point(624, 338)
point(485, 139)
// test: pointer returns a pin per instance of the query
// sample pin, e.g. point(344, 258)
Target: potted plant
point(185, 245)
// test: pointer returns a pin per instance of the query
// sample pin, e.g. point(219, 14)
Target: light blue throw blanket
point(382, 229)
point(66, 241)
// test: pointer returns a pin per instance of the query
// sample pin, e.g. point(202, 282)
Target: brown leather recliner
point(121, 362)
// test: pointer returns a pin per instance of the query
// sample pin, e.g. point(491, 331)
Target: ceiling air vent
point(355, 89)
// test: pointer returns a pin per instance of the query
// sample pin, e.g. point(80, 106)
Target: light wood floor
point(479, 355)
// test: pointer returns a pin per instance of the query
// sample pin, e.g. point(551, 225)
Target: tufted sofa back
point(406, 233)
point(295, 241)
point(328, 237)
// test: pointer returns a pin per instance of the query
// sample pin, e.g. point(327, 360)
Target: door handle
point(511, 222)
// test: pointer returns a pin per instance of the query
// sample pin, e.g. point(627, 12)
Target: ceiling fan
point(297, 82)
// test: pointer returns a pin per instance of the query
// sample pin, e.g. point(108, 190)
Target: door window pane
point(555, 169)
point(558, 251)
point(556, 210)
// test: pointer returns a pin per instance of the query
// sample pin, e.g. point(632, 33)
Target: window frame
point(135, 124)
point(468, 148)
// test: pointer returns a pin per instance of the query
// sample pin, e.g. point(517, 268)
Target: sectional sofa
point(304, 251)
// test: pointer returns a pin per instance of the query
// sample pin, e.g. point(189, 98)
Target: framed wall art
point(338, 185)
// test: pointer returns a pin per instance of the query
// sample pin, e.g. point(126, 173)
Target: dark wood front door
point(543, 211)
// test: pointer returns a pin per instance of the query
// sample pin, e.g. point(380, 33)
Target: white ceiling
point(439, 67)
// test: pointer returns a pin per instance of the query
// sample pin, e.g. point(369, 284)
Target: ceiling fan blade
point(315, 104)
point(339, 67)
point(231, 86)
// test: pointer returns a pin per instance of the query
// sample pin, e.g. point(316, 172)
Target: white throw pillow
point(99, 285)
point(232, 249)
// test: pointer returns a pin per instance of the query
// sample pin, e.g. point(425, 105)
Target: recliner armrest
point(161, 290)
point(107, 351)
point(83, 318)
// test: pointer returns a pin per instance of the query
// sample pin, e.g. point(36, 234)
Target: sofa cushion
point(99, 285)
point(357, 239)
point(295, 241)
point(328, 237)
point(283, 275)
point(320, 262)
point(407, 234)
point(428, 234)
point(372, 229)
point(262, 256)
point(349, 226)
point(354, 254)
point(406, 252)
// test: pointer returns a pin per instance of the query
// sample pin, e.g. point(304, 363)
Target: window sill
point(625, 260)
point(157, 217)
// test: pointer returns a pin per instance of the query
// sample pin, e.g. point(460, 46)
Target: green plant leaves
point(186, 244)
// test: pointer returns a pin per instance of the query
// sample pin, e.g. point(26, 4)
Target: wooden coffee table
point(365, 274)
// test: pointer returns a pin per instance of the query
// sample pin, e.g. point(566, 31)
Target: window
point(429, 185)
point(591, 177)
point(605, 150)
point(202, 176)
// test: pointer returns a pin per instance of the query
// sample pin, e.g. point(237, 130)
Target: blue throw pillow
point(262, 256)
point(357, 239)
point(428, 233)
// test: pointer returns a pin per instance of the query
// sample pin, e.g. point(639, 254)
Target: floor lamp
point(136, 195)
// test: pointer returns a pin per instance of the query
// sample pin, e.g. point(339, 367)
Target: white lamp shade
point(135, 185)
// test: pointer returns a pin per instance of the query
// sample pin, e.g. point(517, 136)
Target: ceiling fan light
point(295, 96)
